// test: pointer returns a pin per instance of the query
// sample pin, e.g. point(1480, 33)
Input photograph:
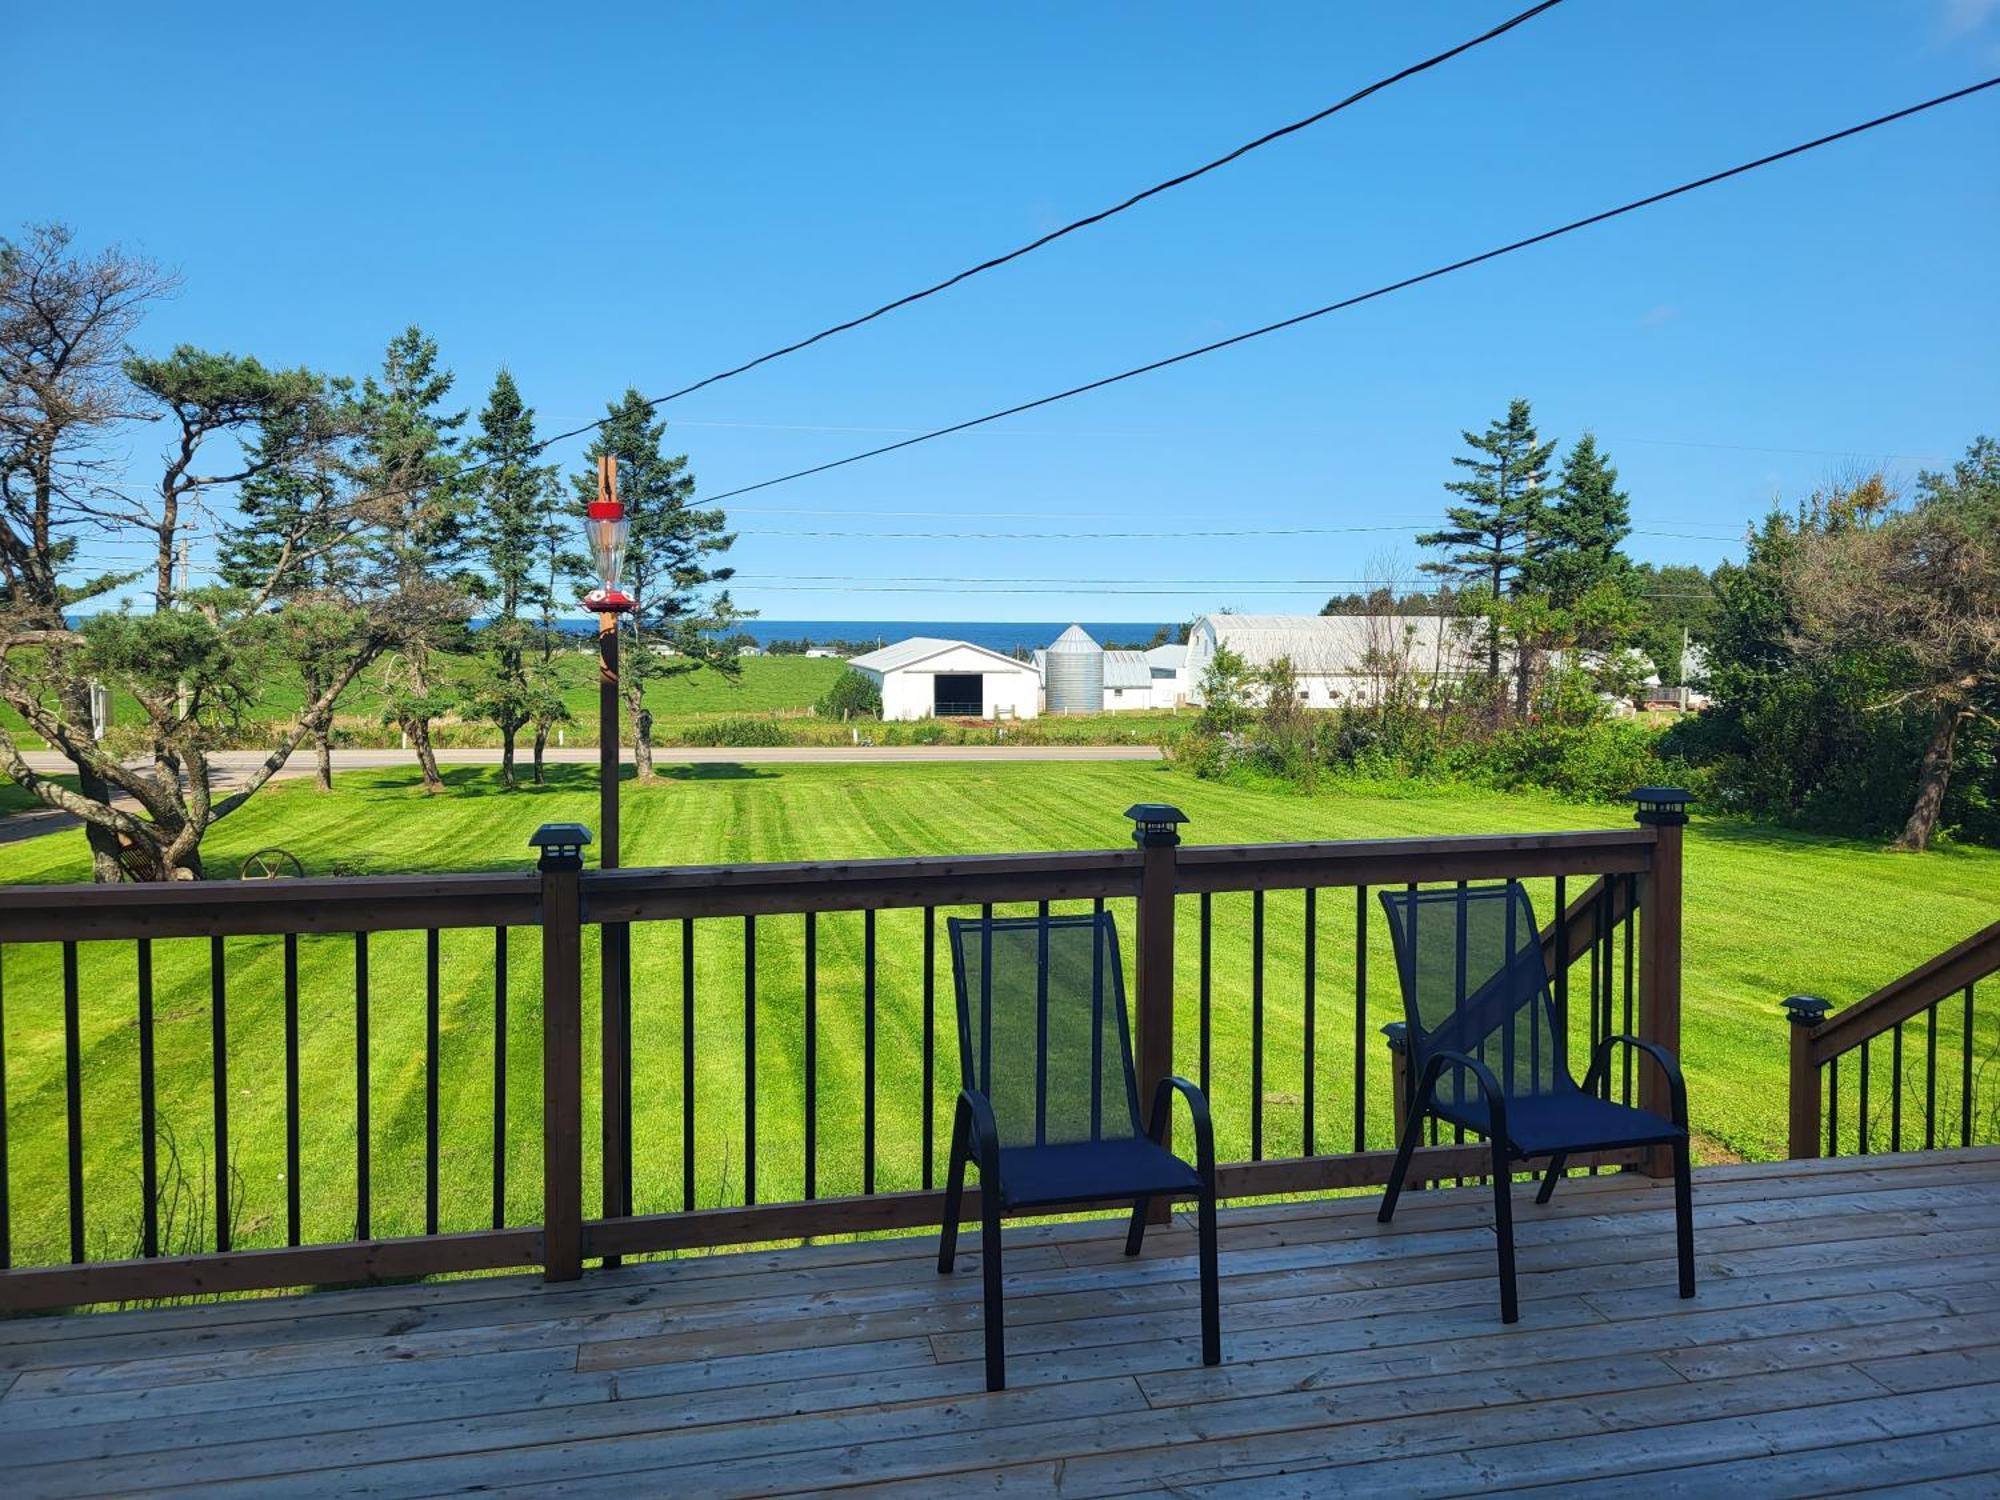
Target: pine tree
point(667, 563)
point(423, 587)
point(511, 529)
point(1581, 533)
point(1496, 530)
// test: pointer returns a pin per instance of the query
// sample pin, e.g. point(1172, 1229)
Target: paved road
point(231, 767)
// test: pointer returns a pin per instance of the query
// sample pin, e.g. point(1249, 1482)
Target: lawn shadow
point(719, 770)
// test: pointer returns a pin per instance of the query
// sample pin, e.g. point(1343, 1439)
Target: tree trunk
point(541, 746)
point(507, 733)
point(1933, 777)
point(322, 760)
point(642, 732)
point(420, 737)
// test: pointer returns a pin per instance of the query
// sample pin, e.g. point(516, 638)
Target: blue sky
point(642, 194)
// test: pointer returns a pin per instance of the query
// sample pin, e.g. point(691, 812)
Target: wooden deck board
point(1846, 1337)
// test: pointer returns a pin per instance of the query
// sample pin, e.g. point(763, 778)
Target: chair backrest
point(1469, 959)
point(1041, 1027)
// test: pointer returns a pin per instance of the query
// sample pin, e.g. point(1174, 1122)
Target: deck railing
point(1835, 1111)
point(771, 1047)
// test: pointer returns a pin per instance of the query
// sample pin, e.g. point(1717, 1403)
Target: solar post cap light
point(605, 530)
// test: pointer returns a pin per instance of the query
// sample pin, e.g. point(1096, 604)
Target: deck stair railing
point(1936, 1092)
point(229, 1086)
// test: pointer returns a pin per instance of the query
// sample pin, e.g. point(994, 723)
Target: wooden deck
point(1846, 1338)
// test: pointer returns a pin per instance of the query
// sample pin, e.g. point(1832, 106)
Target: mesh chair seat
point(1085, 1170)
point(1571, 1120)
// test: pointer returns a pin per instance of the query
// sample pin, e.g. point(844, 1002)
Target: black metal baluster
point(1360, 1018)
point(219, 1043)
point(1207, 993)
point(6, 1212)
point(1896, 1088)
point(930, 1044)
point(431, 1062)
point(1930, 1076)
point(812, 1056)
point(499, 1077)
point(1257, 1025)
point(73, 1092)
point(149, 1146)
point(868, 1050)
point(1631, 906)
point(1507, 1079)
point(1558, 1034)
point(1311, 965)
point(1097, 1021)
point(1863, 1123)
point(1042, 1023)
point(1964, 1093)
point(749, 1060)
point(292, 1191)
point(986, 996)
point(1833, 1106)
point(1459, 1078)
point(687, 1063)
point(361, 1215)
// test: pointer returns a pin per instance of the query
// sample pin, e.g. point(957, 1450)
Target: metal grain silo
point(1075, 674)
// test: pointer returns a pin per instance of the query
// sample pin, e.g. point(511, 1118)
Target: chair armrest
point(1496, 1098)
point(1668, 1065)
point(1204, 1131)
point(975, 1117)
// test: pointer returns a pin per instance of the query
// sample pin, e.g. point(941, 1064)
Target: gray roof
point(1167, 658)
point(1127, 669)
point(1330, 644)
point(1076, 638)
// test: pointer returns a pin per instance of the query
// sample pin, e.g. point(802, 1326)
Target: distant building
point(1128, 681)
point(1167, 667)
point(823, 651)
point(925, 677)
point(1337, 658)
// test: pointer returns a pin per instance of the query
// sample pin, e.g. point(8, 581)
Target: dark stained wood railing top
point(1908, 995)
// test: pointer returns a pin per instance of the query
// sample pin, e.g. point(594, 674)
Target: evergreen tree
point(1580, 535)
point(1496, 529)
point(423, 587)
point(667, 562)
point(511, 529)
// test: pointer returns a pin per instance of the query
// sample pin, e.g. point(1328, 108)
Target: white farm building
point(925, 677)
point(1337, 658)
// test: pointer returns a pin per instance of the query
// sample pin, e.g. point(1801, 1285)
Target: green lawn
point(1768, 914)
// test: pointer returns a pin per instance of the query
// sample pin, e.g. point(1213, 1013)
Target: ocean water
point(995, 635)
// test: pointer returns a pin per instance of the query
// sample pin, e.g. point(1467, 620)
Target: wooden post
point(562, 1048)
point(1805, 1012)
point(1665, 810)
point(1155, 830)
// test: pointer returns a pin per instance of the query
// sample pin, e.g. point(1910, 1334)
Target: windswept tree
point(419, 571)
point(669, 561)
point(1494, 532)
point(194, 659)
point(1921, 589)
point(511, 530)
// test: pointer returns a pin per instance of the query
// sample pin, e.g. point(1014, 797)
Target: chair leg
point(1135, 1235)
point(1503, 1230)
point(1553, 1176)
point(954, 1196)
point(989, 1246)
point(1412, 1131)
point(1211, 1316)
point(1684, 1216)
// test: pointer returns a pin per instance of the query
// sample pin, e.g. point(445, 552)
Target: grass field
point(1768, 913)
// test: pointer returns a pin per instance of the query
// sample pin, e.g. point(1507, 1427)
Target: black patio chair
point(1049, 1114)
point(1488, 1050)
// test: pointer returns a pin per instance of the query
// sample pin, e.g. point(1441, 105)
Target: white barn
point(1338, 658)
point(1128, 681)
point(1167, 666)
point(925, 677)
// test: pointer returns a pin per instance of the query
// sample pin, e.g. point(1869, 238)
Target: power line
point(1381, 291)
point(1176, 535)
point(1084, 223)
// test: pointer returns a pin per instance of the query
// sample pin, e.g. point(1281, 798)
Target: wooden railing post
point(1804, 1012)
point(1155, 829)
point(1665, 810)
point(562, 1047)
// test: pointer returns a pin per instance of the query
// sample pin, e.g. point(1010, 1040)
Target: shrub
point(853, 695)
point(735, 733)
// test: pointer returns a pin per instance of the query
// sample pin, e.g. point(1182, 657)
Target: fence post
point(561, 865)
point(1155, 830)
point(1665, 810)
point(1804, 1012)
